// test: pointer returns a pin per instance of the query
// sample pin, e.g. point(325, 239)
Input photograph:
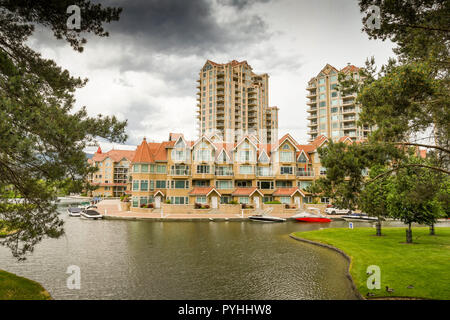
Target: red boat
point(311, 217)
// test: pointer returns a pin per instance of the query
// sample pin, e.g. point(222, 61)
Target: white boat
point(91, 214)
point(264, 217)
point(74, 212)
point(311, 217)
point(358, 217)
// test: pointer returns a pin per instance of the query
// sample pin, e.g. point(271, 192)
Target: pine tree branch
point(406, 166)
point(423, 145)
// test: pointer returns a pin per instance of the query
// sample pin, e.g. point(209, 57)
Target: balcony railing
point(180, 172)
point(302, 173)
point(224, 173)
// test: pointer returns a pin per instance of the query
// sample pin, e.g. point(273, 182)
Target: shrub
point(233, 202)
point(244, 206)
point(272, 202)
point(197, 206)
point(286, 206)
point(168, 201)
point(206, 206)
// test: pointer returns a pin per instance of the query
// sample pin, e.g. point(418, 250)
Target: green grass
point(13, 287)
point(425, 264)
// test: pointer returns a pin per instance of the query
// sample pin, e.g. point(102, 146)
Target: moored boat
point(358, 217)
point(311, 217)
point(265, 218)
point(91, 214)
point(74, 212)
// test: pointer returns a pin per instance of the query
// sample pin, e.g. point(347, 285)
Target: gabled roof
point(248, 139)
point(346, 139)
point(158, 191)
point(114, 155)
point(203, 191)
point(288, 137)
point(246, 192)
point(288, 192)
point(201, 139)
point(350, 68)
point(319, 141)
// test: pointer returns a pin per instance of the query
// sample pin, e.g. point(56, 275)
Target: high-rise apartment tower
point(329, 113)
point(233, 101)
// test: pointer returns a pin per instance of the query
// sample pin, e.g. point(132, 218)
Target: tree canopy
point(41, 137)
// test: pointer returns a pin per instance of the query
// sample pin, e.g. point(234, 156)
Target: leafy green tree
point(414, 197)
point(373, 197)
point(41, 137)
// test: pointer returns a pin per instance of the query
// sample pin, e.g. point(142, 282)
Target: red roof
point(203, 191)
point(99, 150)
point(114, 155)
point(350, 68)
point(245, 192)
point(288, 192)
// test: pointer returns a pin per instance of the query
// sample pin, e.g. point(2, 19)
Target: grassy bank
point(13, 287)
point(425, 264)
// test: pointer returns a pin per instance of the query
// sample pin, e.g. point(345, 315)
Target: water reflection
point(186, 260)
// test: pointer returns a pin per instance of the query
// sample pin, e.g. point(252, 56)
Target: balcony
point(351, 110)
point(312, 109)
point(311, 95)
point(180, 172)
point(312, 124)
point(312, 117)
point(303, 173)
point(311, 102)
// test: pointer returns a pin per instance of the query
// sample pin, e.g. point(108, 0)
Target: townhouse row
point(211, 172)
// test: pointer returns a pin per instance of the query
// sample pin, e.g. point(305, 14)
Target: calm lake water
point(185, 260)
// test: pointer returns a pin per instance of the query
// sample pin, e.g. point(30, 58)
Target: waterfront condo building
point(212, 172)
point(233, 101)
point(112, 177)
point(329, 113)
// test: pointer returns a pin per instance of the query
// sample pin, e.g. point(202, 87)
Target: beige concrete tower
point(329, 113)
point(232, 101)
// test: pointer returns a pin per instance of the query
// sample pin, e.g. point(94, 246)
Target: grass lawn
point(425, 264)
point(13, 287)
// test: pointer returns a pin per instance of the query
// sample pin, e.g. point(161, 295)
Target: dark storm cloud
point(240, 4)
point(183, 27)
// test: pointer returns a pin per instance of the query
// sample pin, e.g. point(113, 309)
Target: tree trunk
point(432, 229)
point(378, 226)
point(409, 234)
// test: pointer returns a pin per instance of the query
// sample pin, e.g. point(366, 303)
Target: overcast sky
point(146, 70)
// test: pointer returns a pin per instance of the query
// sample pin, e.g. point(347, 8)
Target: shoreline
point(342, 253)
point(348, 273)
point(15, 287)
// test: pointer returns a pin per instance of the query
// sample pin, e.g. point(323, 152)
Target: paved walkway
point(111, 210)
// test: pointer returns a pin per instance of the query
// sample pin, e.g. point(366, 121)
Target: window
point(135, 168)
point(203, 169)
point(333, 86)
point(201, 199)
point(225, 199)
point(307, 199)
point(135, 185)
point(264, 171)
point(335, 109)
point(181, 184)
point(283, 184)
point(333, 78)
point(144, 167)
point(334, 94)
point(323, 171)
point(268, 185)
point(286, 156)
point(302, 158)
point(135, 202)
point(225, 184)
point(246, 169)
point(286, 170)
point(160, 184)
point(286, 200)
point(179, 200)
point(267, 199)
point(324, 200)
point(144, 185)
point(263, 158)
point(304, 184)
point(322, 96)
point(160, 169)
point(321, 80)
point(322, 104)
point(245, 200)
point(143, 200)
point(244, 155)
point(334, 102)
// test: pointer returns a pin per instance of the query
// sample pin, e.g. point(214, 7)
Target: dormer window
point(302, 158)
